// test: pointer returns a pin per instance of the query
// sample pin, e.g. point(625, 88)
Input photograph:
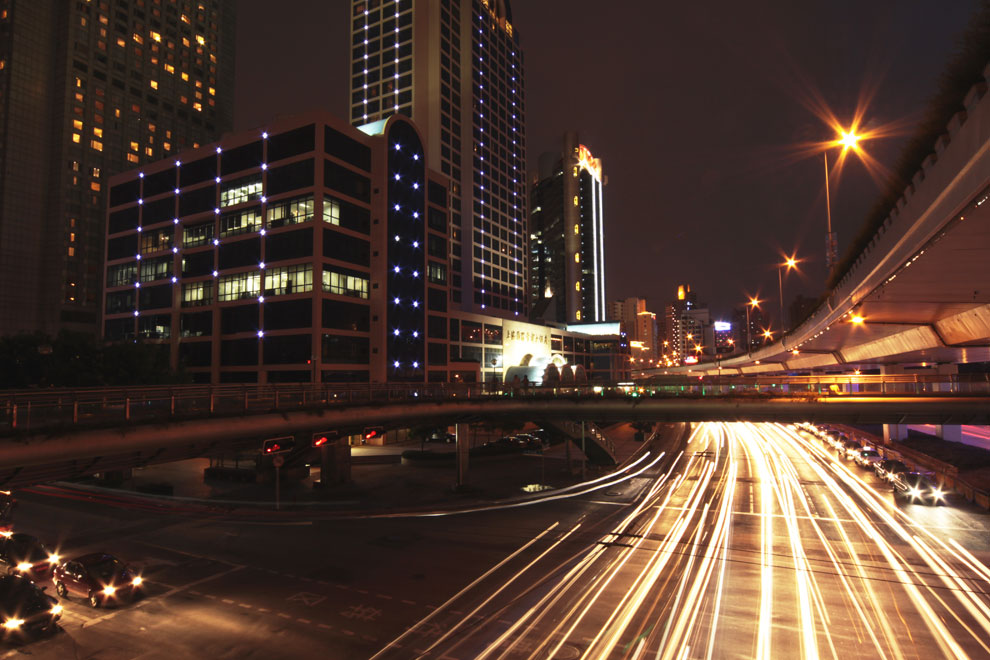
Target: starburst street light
point(790, 263)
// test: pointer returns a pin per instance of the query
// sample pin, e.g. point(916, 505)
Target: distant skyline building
point(89, 89)
point(456, 68)
point(640, 326)
point(757, 324)
point(687, 327)
point(567, 242)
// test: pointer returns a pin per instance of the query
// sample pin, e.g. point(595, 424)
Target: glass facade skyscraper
point(456, 68)
point(90, 88)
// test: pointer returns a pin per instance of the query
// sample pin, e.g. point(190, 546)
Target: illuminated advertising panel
point(722, 326)
point(522, 339)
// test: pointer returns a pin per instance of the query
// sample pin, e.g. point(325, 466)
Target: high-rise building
point(456, 68)
point(757, 324)
point(89, 89)
point(567, 242)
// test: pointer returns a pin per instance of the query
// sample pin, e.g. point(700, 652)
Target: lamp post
point(753, 302)
point(789, 263)
point(849, 140)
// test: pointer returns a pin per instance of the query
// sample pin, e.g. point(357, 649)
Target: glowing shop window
point(287, 280)
point(240, 191)
point(345, 283)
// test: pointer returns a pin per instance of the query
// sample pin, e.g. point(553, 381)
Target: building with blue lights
point(456, 68)
point(304, 250)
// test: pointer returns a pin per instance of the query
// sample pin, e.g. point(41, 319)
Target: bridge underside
point(47, 457)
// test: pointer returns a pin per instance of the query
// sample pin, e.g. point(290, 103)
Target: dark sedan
point(25, 609)
point(917, 487)
point(100, 578)
point(888, 468)
point(26, 555)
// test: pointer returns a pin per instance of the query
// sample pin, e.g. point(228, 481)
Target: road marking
point(408, 602)
point(284, 616)
point(323, 625)
point(385, 596)
point(227, 601)
point(263, 610)
point(304, 621)
point(165, 595)
point(307, 598)
point(245, 606)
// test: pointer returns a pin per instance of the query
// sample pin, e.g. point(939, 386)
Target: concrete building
point(456, 68)
point(567, 241)
point(90, 89)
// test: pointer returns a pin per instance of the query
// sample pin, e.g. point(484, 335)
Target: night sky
point(694, 108)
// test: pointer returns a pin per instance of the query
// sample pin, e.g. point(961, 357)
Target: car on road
point(25, 608)
point(867, 457)
point(25, 555)
point(849, 448)
point(917, 487)
point(99, 577)
point(888, 468)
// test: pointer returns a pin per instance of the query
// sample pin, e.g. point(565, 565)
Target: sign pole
point(277, 461)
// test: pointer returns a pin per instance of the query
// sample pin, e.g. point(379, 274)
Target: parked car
point(441, 435)
point(25, 555)
point(867, 457)
point(917, 487)
point(99, 577)
point(25, 608)
point(888, 468)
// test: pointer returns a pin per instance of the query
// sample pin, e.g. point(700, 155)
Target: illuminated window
point(241, 190)
point(95, 186)
point(331, 211)
point(135, 146)
point(200, 40)
point(138, 38)
point(575, 200)
point(345, 283)
point(156, 36)
point(154, 84)
point(198, 107)
point(577, 286)
point(242, 285)
point(240, 222)
point(577, 258)
point(72, 251)
point(577, 229)
point(121, 43)
point(290, 212)
point(132, 158)
point(97, 131)
point(76, 137)
point(96, 144)
point(291, 279)
point(185, 76)
point(185, 42)
point(195, 294)
point(149, 151)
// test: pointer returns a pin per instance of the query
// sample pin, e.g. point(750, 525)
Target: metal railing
point(40, 409)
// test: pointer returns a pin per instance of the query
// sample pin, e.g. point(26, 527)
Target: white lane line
point(165, 595)
point(284, 615)
point(245, 606)
point(304, 621)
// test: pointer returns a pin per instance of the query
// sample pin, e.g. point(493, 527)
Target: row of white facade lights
point(216, 241)
point(397, 269)
point(396, 60)
point(515, 169)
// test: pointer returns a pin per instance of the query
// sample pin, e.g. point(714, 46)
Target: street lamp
point(789, 263)
point(753, 302)
point(848, 140)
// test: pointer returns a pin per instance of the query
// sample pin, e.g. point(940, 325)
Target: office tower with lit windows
point(567, 242)
point(302, 251)
point(456, 68)
point(89, 89)
point(640, 326)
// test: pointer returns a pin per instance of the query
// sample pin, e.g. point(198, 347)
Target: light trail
point(823, 564)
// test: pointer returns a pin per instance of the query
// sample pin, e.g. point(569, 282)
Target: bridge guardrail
point(33, 410)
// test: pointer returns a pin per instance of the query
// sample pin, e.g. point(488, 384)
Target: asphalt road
point(754, 541)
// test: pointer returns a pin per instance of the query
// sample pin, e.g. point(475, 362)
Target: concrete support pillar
point(462, 447)
point(949, 432)
point(894, 433)
point(335, 464)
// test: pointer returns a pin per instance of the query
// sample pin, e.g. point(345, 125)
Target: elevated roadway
point(921, 286)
